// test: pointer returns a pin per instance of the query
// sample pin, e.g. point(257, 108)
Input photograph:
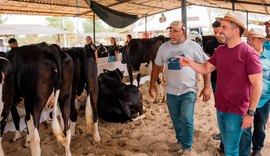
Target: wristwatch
point(251, 112)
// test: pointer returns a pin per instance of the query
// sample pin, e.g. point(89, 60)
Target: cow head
point(102, 51)
point(124, 54)
point(115, 74)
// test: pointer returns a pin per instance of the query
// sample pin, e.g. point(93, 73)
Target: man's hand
point(184, 61)
point(153, 91)
point(247, 121)
point(206, 94)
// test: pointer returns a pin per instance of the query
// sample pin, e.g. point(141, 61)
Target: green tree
point(61, 22)
point(88, 26)
point(2, 19)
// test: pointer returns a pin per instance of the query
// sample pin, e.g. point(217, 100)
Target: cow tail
point(57, 56)
point(89, 116)
point(56, 128)
point(88, 108)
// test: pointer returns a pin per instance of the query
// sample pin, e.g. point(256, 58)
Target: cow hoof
point(97, 142)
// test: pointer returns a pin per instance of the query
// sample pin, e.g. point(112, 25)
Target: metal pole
point(184, 13)
point(247, 19)
point(233, 5)
point(145, 26)
point(94, 27)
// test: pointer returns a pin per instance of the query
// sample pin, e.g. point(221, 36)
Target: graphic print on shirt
point(173, 63)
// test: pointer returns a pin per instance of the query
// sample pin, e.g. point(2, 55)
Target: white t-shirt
point(180, 80)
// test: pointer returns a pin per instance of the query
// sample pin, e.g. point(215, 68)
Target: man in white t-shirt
point(181, 87)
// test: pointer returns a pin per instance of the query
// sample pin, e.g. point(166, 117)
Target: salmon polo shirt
point(233, 66)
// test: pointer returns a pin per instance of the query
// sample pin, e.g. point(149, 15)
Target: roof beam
point(113, 4)
point(147, 6)
point(47, 3)
point(246, 2)
point(223, 8)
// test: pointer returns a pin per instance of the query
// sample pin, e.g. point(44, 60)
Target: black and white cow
point(85, 77)
point(141, 51)
point(6, 95)
point(40, 71)
point(118, 102)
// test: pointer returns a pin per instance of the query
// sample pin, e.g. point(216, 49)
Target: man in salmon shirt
point(239, 81)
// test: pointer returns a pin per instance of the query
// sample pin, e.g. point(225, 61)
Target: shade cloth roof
point(26, 29)
point(136, 7)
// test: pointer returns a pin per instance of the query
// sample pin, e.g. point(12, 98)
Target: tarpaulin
point(112, 17)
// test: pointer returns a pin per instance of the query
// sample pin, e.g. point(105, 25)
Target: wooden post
point(184, 13)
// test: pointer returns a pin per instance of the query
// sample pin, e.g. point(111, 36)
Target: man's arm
point(206, 89)
point(202, 68)
point(154, 76)
point(96, 56)
point(256, 91)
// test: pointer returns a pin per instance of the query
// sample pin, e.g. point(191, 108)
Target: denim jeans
point(231, 131)
point(111, 58)
point(258, 136)
point(181, 109)
point(213, 84)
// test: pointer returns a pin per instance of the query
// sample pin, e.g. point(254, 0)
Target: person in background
point(239, 81)
point(181, 87)
point(209, 49)
point(256, 39)
point(12, 43)
point(266, 43)
point(129, 37)
point(113, 51)
point(91, 48)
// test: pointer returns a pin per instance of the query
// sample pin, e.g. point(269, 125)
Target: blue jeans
point(258, 136)
point(181, 109)
point(213, 84)
point(111, 59)
point(231, 131)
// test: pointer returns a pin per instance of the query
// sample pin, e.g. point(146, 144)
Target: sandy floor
point(150, 136)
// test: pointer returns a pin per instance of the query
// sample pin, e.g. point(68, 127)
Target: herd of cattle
point(47, 76)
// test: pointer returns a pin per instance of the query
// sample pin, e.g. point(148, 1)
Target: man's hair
point(234, 25)
point(216, 24)
point(12, 40)
point(129, 36)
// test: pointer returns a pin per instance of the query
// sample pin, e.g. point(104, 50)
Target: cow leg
point(95, 114)
point(4, 109)
point(73, 115)
point(130, 74)
point(16, 121)
point(32, 125)
point(64, 104)
point(91, 112)
point(139, 79)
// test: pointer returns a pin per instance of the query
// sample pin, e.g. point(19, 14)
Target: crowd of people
point(240, 81)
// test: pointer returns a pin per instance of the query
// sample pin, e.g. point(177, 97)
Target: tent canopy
point(80, 8)
point(26, 29)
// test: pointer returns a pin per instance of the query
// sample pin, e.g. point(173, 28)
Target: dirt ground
point(150, 136)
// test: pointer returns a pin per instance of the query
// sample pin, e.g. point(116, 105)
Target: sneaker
point(256, 153)
point(175, 147)
point(186, 152)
